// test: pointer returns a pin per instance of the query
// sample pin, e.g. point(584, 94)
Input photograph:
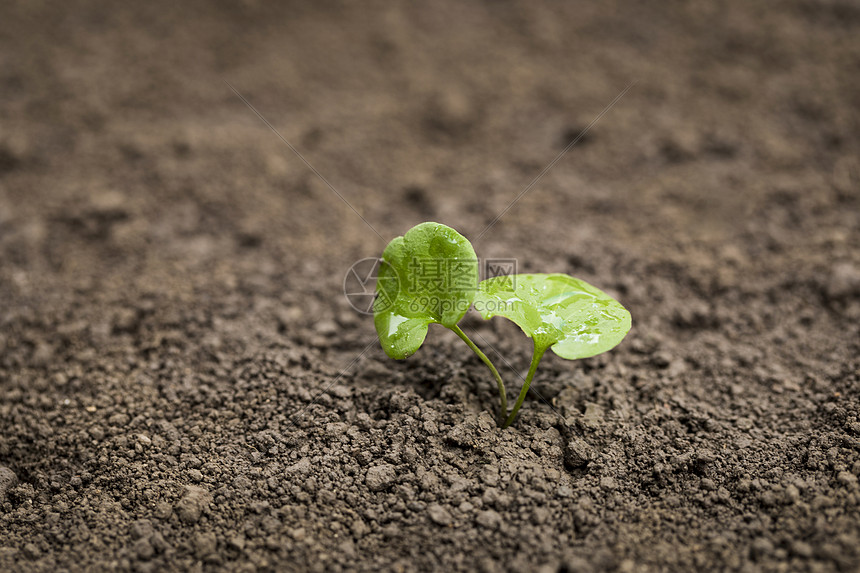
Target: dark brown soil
point(184, 387)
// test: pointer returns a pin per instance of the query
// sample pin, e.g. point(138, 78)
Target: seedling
point(430, 275)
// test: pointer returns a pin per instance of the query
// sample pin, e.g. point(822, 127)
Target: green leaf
point(428, 275)
point(558, 311)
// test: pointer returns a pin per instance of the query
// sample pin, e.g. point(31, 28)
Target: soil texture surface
point(184, 386)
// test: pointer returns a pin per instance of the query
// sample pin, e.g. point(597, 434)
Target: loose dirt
point(184, 387)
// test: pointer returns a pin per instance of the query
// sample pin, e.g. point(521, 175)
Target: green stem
point(504, 398)
point(536, 356)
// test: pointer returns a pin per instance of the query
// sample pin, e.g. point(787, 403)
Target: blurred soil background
point(183, 385)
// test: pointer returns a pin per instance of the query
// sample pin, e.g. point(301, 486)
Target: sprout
point(431, 276)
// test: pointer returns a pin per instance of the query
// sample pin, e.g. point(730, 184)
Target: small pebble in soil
point(846, 478)
point(236, 542)
point(843, 283)
point(326, 328)
point(577, 453)
point(194, 500)
point(163, 510)
point(359, 529)
point(205, 544)
point(143, 548)
point(802, 549)
point(760, 548)
point(141, 528)
point(7, 480)
point(438, 514)
point(380, 477)
point(540, 515)
point(593, 417)
point(489, 519)
point(31, 551)
point(302, 466)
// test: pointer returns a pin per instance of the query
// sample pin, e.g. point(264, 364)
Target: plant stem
point(536, 356)
point(504, 398)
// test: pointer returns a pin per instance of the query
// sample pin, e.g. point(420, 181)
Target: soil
point(183, 385)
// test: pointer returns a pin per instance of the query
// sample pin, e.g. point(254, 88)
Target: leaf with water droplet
point(568, 315)
point(429, 275)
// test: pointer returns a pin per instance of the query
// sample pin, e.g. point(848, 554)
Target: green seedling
point(430, 275)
